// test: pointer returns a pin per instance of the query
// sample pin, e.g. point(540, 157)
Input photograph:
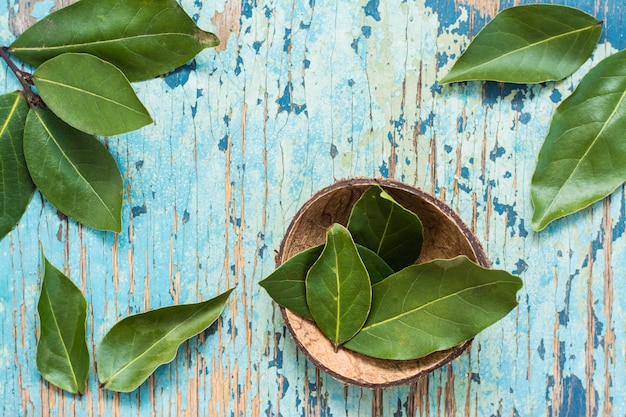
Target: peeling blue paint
point(508, 209)
point(541, 350)
point(371, 9)
point(286, 103)
point(138, 210)
point(520, 267)
point(366, 31)
point(180, 75)
point(287, 39)
point(223, 144)
point(465, 172)
point(333, 151)
point(574, 398)
point(384, 171)
point(496, 152)
point(525, 118)
point(556, 96)
point(426, 123)
point(442, 59)
point(256, 45)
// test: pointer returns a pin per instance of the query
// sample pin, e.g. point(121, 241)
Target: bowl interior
point(445, 236)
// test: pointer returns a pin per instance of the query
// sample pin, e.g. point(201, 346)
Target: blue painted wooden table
point(299, 95)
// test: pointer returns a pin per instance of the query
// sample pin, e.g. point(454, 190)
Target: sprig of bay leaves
point(129, 352)
point(85, 56)
point(581, 159)
point(360, 302)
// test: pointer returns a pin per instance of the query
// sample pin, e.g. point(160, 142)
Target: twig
point(24, 78)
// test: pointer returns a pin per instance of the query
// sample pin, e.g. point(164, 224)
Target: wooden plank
point(301, 94)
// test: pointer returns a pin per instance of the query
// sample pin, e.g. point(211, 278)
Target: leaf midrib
point(423, 306)
point(583, 157)
point(69, 161)
point(65, 350)
point(89, 93)
point(4, 128)
point(145, 352)
point(99, 42)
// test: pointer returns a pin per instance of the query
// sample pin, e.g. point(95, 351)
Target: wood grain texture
point(299, 95)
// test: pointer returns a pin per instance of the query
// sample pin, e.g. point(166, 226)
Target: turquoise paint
point(210, 196)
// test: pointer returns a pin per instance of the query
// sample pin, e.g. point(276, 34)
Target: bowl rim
point(476, 246)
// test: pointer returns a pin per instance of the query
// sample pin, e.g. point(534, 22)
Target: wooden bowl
point(445, 236)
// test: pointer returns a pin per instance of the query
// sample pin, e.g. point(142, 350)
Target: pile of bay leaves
point(85, 56)
point(365, 292)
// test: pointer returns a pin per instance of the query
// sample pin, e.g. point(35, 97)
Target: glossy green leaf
point(379, 223)
point(582, 158)
point(338, 289)
point(286, 285)
point(74, 171)
point(90, 94)
point(135, 346)
point(62, 354)
point(433, 306)
point(16, 187)
point(376, 267)
point(142, 38)
point(529, 44)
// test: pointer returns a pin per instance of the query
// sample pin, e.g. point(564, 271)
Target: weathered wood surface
point(298, 95)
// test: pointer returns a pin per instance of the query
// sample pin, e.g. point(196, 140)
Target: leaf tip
point(207, 39)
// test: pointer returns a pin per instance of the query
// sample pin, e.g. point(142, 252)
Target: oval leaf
point(62, 354)
point(582, 158)
point(338, 289)
point(142, 38)
point(74, 171)
point(16, 186)
point(433, 306)
point(90, 94)
point(379, 223)
point(529, 44)
point(286, 285)
point(135, 346)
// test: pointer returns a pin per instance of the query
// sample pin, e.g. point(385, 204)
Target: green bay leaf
point(74, 171)
point(286, 285)
point(62, 354)
point(135, 346)
point(433, 306)
point(90, 95)
point(142, 38)
point(16, 186)
point(379, 223)
point(338, 289)
point(528, 44)
point(582, 158)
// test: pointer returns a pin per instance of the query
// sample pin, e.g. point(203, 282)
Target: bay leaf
point(582, 158)
point(142, 38)
point(90, 95)
point(138, 344)
point(286, 285)
point(62, 354)
point(433, 306)
point(74, 171)
point(379, 223)
point(529, 44)
point(338, 290)
point(16, 186)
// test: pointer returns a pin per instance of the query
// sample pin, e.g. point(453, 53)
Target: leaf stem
point(24, 78)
